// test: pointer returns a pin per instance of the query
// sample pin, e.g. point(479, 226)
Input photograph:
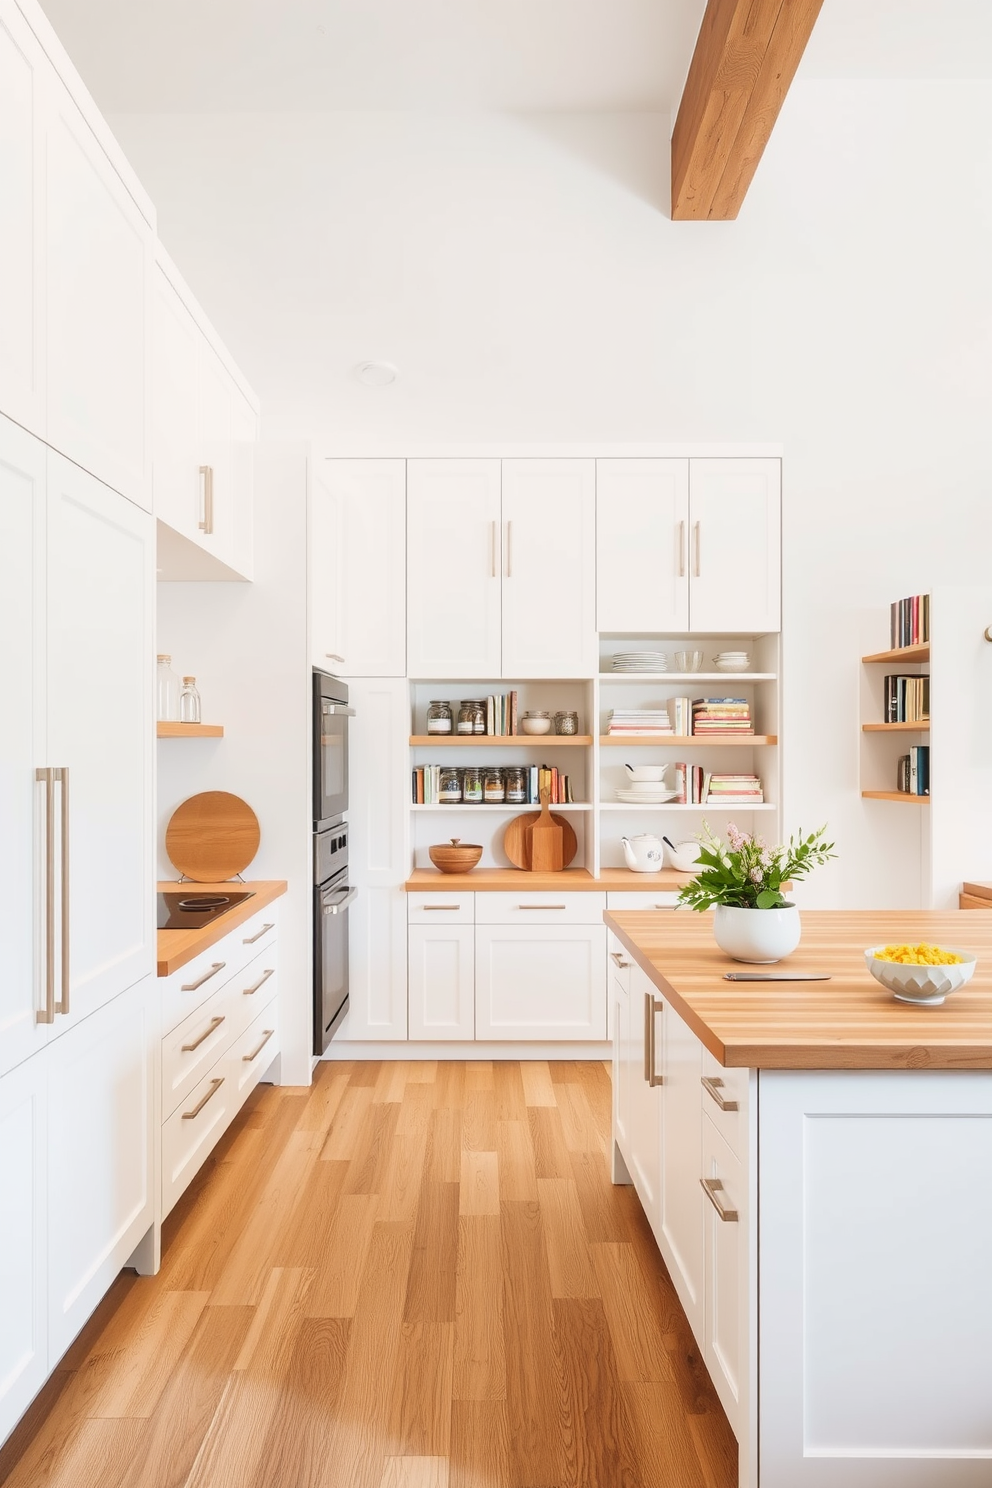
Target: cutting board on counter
point(212, 836)
point(518, 841)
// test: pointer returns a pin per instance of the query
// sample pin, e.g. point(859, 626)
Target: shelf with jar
point(177, 705)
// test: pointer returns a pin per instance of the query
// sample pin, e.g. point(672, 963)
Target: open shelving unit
point(878, 758)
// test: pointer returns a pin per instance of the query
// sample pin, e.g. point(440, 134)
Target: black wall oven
point(330, 749)
point(332, 896)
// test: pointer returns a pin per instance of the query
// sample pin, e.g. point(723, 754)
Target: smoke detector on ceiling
point(376, 374)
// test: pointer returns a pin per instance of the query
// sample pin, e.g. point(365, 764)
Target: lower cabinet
point(681, 1199)
point(23, 1237)
point(442, 981)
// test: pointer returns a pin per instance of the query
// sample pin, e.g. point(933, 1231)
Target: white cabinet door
point(725, 1227)
point(22, 742)
point(540, 982)
point(549, 568)
point(442, 981)
point(618, 983)
point(175, 461)
point(641, 1055)
point(99, 281)
point(23, 69)
point(453, 601)
point(215, 462)
point(100, 1193)
point(100, 728)
point(735, 547)
point(23, 1237)
point(681, 1232)
point(642, 536)
point(358, 568)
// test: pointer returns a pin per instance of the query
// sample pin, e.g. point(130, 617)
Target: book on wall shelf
point(696, 786)
point(913, 771)
point(721, 715)
point(909, 621)
point(627, 721)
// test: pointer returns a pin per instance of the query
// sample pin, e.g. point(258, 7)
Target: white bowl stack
point(732, 661)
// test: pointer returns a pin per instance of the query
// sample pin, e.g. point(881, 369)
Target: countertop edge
point(175, 948)
point(570, 880)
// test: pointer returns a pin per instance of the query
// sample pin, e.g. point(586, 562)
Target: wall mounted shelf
point(901, 653)
point(896, 796)
point(692, 741)
point(497, 741)
point(921, 726)
point(189, 730)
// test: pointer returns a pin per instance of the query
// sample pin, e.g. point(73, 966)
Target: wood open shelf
point(693, 741)
point(901, 653)
point(896, 796)
point(922, 726)
point(500, 741)
point(513, 808)
point(189, 730)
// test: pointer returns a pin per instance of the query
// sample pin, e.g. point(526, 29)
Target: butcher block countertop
point(570, 881)
point(176, 947)
point(849, 1022)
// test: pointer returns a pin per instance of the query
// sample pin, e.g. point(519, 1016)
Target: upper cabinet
point(502, 568)
point(689, 545)
point(358, 568)
point(22, 249)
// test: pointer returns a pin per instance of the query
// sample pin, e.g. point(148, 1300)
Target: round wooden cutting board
point(212, 836)
point(516, 840)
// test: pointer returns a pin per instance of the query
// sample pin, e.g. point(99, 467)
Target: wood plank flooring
point(412, 1275)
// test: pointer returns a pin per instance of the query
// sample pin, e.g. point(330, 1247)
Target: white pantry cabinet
point(642, 532)
point(358, 568)
point(735, 545)
point(23, 100)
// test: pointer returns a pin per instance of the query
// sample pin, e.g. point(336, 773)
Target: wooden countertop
point(176, 947)
point(850, 1022)
point(570, 881)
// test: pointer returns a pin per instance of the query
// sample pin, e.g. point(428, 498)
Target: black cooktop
point(185, 909)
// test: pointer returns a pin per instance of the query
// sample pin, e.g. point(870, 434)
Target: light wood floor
point(410, 1276)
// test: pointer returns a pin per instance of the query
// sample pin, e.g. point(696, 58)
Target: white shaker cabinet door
point(358, 568)
point(725, 1222)
point(442, 982)
point(640, 1055)
point(735, 545)
point(549, 568)
point(216, 504)
point(99, 297)
point(23, 69)
point(100, 730)
point(453, 601)
point(22, 743)
point(175, 457)
point(642, 537)
point(23, 1235)
point(681, 1233)
point(540, 982)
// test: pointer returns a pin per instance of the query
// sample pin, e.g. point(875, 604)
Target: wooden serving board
point(516, 839)
point(212, 836)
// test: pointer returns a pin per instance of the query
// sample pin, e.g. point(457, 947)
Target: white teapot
point(642, 854)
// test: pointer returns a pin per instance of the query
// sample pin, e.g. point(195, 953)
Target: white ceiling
point(219, 56)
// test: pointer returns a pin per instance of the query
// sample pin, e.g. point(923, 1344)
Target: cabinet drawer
point(659, 899)
point(729, 1086)
point(440, 909)
point(190, 986)
point(250, 1056)
point(197, 1123)
point(255, 934)
point(547, 907)
point(254, 987)
point(619, 963)
point(197, 1043)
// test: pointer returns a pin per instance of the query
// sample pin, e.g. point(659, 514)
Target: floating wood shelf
point(511, 808)
point(500, 741)
point(896, 796)
point(189, 730)
point(684, 678)
point(692, 741)
point(901, 653)
point(922, 726)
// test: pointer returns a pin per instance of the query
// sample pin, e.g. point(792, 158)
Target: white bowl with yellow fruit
point(923, 974)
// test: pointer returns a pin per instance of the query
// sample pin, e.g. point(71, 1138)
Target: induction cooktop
point(185, 909)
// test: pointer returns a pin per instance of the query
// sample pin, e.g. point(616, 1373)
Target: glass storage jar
point(472, 785)
point(494, 786)
point(439, 718)
point(515, 781)
point(167, 690)
point(468, 715)
point(449, 790)
point(566, 723)
point(189, 702)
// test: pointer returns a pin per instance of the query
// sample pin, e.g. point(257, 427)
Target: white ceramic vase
point(758, 935)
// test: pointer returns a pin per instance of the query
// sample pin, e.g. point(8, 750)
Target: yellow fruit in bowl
point(918, 955)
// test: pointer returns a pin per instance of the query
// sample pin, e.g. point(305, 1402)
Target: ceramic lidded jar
point(643, 853)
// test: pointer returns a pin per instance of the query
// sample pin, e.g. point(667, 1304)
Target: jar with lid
point(566, 723)
point(189, 702)
point(167, 689)
point(472, 716)
point(515, 779)
point(493, 786)
point(472, 785)
point(537, 722)
point(449, 790)
point(439, 718)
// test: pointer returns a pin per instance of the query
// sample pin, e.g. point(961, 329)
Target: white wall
point(523, 274)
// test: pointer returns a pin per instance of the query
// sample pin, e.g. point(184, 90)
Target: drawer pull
point(713, 1087)
point(616, 956)
point(712, 1188)
point(214, 1087)
point(250, 991)
point(542, 906)
point(214, 1023)
point(215, 968)
point(652, 1005)
point(248, 1058)
point(429, 908)
point(252, 938)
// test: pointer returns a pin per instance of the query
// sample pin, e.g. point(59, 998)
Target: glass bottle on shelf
point(439, 719)
point(189, 702)
point(166, 691)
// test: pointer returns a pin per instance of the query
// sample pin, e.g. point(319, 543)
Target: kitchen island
point(815, 1160)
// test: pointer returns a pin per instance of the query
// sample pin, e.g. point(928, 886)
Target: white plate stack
point(639, 661)
point(732, 661)
point(645, 794)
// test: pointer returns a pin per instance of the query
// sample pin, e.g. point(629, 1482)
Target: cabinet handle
point(249, 1058)
point(214, 1087)
point(695, 532)
point(333, 656)
point(713, 1086)
point(250, 991)
point(712, 1188)
point(48, 777)
point(206, 523)
point(492, 544)
point(652, 1005)
point(215, 968)
point(509, 561)
point(62, 775)
point(682, 550)
point(433, 908)
point(616, 956)
point(542, 906)
point(214, 1024)
point(258, 935)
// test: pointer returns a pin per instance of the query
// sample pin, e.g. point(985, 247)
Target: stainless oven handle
point(330, 909)
point(338, 708)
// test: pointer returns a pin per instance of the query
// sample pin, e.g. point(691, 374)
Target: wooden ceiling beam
point(746, 56)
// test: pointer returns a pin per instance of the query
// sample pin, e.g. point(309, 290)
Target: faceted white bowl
point(926, 985)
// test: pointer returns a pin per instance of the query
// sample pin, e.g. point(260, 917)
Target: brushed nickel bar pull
point(492, 544)
point(215, 968)
point(696, 536)
point(433, 908)
point(48, 776)
point(712, 1187)
point(713, 1087)
point(542, 906)
point(509, 557)
point(250, 991)
point(682, 550)
point(252, 938)
point(214, 1087)
point(249, 1058)
point(333, 656)
point(616, 956)
point(62, 776)
point(214, 1024)
point(206, 523)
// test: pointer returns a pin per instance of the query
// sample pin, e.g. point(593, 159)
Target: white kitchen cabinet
point(175, 450)
point(98, 284)
point(358, 568)
point(640, 1061)
point(454, 598)
point(680, 1232)
point(642, 535)
point(618, 985)
point(540, 981)
point(23, 94)
point(549, 568)
point(724, 1281)
point(100, 728)
point(442, 981)
point(735, 545)
point(23, 1238)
